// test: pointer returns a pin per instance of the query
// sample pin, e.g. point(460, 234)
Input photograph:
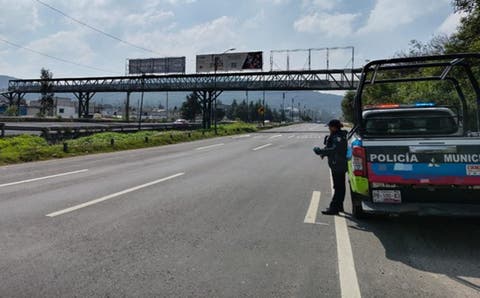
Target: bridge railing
point(340, 79)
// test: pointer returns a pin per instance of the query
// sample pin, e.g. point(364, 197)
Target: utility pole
point(215, 66)
point(283, 108)
point(166, 106)
point(291, 111)
point(248, 108)
point(264, 108)
point(299, 119)
point(141, 104)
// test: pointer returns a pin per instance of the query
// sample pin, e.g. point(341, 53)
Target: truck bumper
point(423, 209)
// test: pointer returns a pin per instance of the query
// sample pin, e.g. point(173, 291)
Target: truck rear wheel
point(357, 209)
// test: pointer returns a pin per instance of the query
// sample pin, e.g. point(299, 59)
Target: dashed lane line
point(311, 216)
point(209, 147)
point(43, 178)
point(262, 147)
point(274, 137)
point(111, 196)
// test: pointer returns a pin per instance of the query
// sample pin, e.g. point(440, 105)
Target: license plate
point(387, 196)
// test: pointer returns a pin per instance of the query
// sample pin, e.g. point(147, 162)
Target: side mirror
point(325, 140)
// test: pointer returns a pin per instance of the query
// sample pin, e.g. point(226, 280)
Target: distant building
point(63, 107)
point(156, 114)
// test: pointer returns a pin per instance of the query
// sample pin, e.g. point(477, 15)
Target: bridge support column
point(203, 100)
point(208, 101)
point(84, 103)
point(127, 108)
point(10, 97)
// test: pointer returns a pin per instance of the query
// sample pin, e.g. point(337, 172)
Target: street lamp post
point(215, 67)
point(141, 104)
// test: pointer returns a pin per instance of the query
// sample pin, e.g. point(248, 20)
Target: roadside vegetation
point(26, 148)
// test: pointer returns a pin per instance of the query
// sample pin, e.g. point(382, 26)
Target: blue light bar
point(425, 104)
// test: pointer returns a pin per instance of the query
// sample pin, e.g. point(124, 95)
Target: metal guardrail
point(58, 131)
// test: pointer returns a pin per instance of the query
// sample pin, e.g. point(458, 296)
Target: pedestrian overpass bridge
point(207, 85)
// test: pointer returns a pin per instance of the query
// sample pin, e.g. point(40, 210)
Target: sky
point(375, 28)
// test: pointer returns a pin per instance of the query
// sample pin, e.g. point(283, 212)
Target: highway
point(225, 217)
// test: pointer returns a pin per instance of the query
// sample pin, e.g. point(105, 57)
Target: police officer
point(336, 152)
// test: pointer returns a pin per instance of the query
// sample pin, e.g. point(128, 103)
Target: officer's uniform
point(336, 151)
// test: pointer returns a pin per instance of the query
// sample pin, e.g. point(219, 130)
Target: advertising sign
point(230, 62)
point(156, 65)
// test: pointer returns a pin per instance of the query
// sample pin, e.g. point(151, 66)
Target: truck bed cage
point(371, 70)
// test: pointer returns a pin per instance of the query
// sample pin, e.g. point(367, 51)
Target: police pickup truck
point(418, 158)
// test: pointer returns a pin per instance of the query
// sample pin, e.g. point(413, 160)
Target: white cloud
point(19, 13)
point(387, 15)
point(321, 4)
point(336, 24)
point(275, 2)
point(65, 44)
point(148, 18)
point(450, 24)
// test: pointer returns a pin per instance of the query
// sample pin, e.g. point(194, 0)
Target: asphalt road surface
point(226, 217)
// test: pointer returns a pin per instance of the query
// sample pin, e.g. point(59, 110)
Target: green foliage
point(347, 106)
point(249, 112)
point(467, 39)
point(191, 107)
point(11, 111)
point(46, 100)
point(31, 148)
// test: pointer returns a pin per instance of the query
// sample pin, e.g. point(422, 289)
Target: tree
point(467, 38)
point(191, 107)
point(11, 111)
point(46, 100)
point(219, 112)
point(347, 106)
point(232, 110)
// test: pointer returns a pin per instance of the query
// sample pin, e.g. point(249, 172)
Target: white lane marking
point(43, 178)
point(261, 147)
point(291, 136)
point(346, 266)
point(274, 137)
point(114, 195)
point(211, 146)
point(312, 210)
point(241, 137)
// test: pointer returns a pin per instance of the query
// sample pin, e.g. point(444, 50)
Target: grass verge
point(26, 148)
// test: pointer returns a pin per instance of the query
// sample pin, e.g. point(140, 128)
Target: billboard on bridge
point(156, 65)
point(230, 62)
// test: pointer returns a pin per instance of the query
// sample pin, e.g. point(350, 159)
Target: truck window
point(404, 123)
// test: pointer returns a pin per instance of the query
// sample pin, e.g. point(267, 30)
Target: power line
point(95, 29)
point(53, 57)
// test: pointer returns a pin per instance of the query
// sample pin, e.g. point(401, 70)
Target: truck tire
point(357, 210)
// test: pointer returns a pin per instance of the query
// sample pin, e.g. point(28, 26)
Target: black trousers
point(339, 189)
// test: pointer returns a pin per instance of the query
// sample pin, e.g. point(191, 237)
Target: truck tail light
point(359, 161)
